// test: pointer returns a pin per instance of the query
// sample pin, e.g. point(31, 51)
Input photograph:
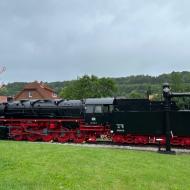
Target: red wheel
point(129, 140)
point(64, 136)
point(16, 132)
point(47, 138)
point(62, 139)
point(118, 138)
point(78, 138)
point(18, 137)
point(32, 137)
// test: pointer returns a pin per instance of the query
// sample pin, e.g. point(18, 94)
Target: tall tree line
point(133, 86)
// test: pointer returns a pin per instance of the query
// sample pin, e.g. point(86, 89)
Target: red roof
point(44, 91)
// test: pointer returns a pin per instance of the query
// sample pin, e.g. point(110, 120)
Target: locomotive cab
point(98, 111)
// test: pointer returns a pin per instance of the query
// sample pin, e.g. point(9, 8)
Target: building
point(3, 99)
point(36, 90)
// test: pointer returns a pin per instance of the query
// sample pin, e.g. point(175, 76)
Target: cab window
point(89, 109)
point(111, 107)
point(106, 108)
point(98, 109)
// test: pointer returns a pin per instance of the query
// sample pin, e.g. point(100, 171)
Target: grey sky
point(53, 40)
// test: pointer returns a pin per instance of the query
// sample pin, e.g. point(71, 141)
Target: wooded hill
point(131, 86)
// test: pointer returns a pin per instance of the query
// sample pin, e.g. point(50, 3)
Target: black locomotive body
point(140, 116)
point(121, 120)
point(42, 109)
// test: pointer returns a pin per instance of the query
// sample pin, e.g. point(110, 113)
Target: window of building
point(30, 94)
point(54, 94)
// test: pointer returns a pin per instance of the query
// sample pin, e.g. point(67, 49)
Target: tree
point(149, 91)
point(135, 95)
point(89, 87)
point(3, 91)
point(176, 82)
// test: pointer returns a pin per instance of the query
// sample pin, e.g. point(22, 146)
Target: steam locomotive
point(119, 120)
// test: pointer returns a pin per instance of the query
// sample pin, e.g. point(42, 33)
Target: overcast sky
point(54, 40)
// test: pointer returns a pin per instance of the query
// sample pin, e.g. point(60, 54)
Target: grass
point(26, 166)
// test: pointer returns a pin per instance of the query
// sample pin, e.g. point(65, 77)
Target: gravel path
point(127, 147)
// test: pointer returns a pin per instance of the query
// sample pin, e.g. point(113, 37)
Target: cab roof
point(99, 101)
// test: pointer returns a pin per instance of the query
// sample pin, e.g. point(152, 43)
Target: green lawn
point(49, 166)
